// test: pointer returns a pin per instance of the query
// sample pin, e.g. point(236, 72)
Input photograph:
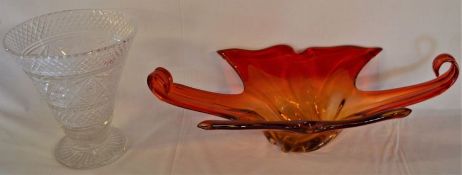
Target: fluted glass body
point(75, 59)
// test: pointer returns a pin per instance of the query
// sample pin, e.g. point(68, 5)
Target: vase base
point(296, 142)
point(70, 154)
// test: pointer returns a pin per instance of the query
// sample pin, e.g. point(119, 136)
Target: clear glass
point(75, 58)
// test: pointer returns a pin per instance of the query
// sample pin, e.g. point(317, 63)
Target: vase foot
point(296, 142)
point(72, 154)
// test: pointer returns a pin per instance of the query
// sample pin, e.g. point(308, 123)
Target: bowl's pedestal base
point(78, 155)
point(296, 142)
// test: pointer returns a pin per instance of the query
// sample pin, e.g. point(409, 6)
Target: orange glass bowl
point(302, 100)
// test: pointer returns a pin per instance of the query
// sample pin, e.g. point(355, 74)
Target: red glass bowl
point(303, 100)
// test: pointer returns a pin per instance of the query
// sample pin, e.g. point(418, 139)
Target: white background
point(183, 36)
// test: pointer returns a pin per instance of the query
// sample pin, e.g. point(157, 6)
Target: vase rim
point(125, 39)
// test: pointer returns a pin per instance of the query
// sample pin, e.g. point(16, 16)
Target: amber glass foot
point(296, 142)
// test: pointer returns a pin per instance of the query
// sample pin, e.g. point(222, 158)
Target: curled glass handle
point(304, 126)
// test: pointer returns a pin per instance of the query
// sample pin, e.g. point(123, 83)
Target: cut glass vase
point(75, 59)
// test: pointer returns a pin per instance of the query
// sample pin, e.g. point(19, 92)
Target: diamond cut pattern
point(80, 101)
point(27, 41)
point(75, 59)
point(79, 86)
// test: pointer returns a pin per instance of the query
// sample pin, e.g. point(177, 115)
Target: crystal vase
point(75, 59)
